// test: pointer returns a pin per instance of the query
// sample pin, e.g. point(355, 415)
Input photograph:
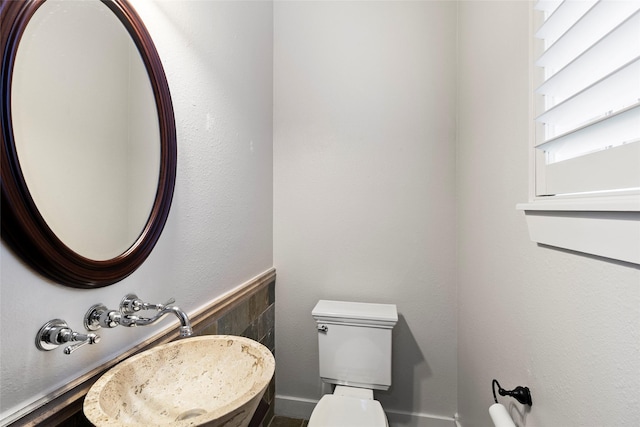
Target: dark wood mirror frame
point(23, 228)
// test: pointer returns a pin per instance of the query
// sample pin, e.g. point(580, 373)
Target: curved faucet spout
point(185, 324)
point(100, 316)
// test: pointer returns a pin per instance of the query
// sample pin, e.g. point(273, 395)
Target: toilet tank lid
point(355, 313)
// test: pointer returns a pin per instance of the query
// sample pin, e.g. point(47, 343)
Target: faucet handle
point(158, 307)
point(169, 302)
point(131, 304)
point(57, 332)
point(82, 340)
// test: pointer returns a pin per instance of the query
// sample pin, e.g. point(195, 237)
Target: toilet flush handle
point(323, 328)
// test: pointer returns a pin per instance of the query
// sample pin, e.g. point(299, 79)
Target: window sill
point(606, 226)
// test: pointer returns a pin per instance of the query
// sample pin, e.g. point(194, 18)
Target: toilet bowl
point(354, 342)
point(348, 407)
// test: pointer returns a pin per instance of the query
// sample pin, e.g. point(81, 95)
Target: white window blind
point(589, 111)
point(585, 175)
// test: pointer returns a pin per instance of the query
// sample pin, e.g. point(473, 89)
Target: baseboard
point(414, 419)
point(295, 407)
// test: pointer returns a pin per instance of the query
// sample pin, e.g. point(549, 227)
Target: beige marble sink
point(214, 380)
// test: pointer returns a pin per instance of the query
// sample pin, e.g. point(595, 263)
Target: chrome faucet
point(100, 316)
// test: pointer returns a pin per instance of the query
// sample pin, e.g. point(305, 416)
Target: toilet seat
point(346, 411)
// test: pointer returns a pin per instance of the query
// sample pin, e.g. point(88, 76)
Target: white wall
point(364, 156)
point(563, 324)
point(218, 60)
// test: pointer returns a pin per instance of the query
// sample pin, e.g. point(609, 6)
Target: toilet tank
point(354, 342)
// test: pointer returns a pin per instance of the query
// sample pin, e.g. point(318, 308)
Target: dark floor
point(287, 422)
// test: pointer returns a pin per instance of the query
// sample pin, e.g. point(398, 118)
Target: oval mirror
point(88, 136)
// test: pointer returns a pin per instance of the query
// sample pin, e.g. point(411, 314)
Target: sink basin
point(213, 380)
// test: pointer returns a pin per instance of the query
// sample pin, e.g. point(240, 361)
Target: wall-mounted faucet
point(100, 316)
point(57, 332)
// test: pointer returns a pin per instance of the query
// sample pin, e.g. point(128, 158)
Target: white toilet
point(354, 340)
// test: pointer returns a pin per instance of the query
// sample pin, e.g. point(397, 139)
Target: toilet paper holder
point(521, 394)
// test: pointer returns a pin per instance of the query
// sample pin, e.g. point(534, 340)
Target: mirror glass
point(86, 127)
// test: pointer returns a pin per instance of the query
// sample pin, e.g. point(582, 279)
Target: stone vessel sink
point(213, 380)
